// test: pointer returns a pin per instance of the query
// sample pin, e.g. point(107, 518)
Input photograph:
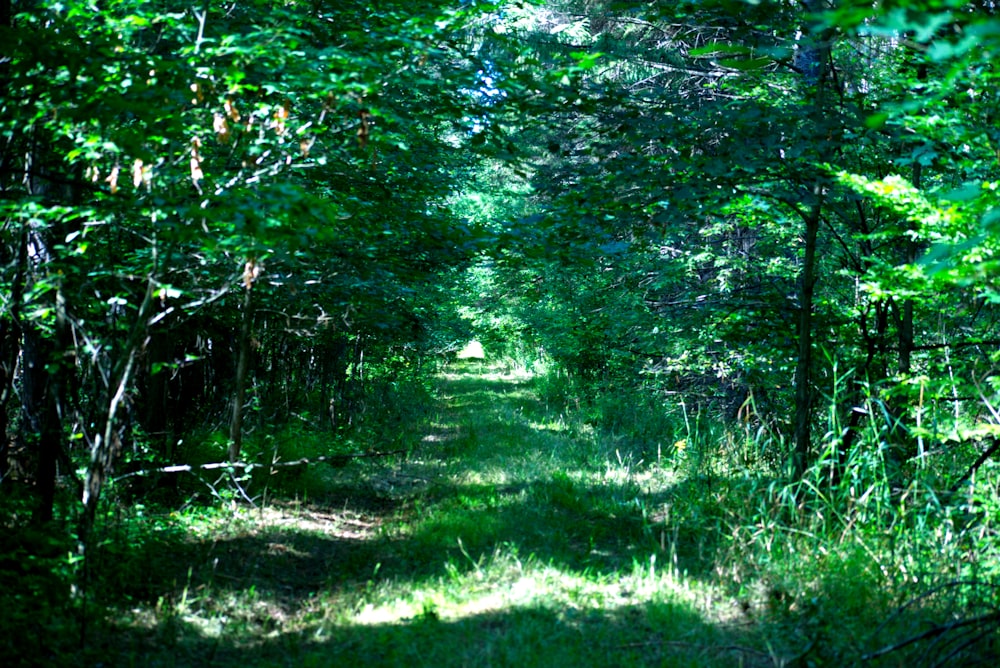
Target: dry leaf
point(196, 173)
point(142, 174)
point(113, 179)
point(221, 127)
point(137, 173)
point(280, 116)
point(231, 111)
point(250, 273)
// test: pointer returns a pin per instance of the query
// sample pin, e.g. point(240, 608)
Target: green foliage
point(37, 604)
point(663, 252)
point(514, 522)
point(286, 171)
point(726, 229)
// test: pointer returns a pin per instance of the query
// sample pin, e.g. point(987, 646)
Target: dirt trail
point(506, 537)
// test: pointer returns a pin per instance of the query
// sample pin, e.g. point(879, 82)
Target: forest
point(500, 333)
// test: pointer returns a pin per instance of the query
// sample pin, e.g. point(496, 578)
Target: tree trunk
point(106, 445)
point(814, 60)
point(156, 409)
point(906, 317)
point(250, 274)
point(41, 429)
point(46, 370)
point(14, 253)
point(10, 342)
point(803, 368)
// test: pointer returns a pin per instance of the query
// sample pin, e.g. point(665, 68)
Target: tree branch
point(982, 459)
point(961, 344)
point(933, 633)
point(335, 460)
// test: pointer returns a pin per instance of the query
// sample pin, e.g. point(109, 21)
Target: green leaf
point(876, 121)
point(745, 65)
point(584, 60)
point(718, 48)
point(965, 193)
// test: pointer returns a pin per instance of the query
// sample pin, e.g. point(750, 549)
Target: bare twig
point(934, 633)
point(990, 451)
point(954, 584)
point(337, 460)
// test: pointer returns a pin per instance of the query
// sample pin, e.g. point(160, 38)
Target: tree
point(209, 177)
point(693, 223)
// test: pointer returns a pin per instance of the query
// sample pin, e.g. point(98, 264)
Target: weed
point(520, 531)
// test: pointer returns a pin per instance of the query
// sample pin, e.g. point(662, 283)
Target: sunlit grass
point(506, 580)
point(507, 526)
point(516, 534)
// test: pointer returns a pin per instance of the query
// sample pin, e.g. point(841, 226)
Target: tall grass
point(532, 523)
point(869, 557)
point(854, 555)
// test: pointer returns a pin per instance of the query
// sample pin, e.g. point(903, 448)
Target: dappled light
point(518, 333)
point(493, 535)
point(517, 531)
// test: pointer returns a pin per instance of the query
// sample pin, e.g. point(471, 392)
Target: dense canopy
point(743, 243)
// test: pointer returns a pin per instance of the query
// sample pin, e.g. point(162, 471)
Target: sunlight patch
point(502, 586)
point(555, 425)
point(473, 350)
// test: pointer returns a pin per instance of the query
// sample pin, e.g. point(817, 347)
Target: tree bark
point(41, 429)
point(814, 61)
point(15, 253)
point(45, 355)
point(906, 316)
point(10, 343)
point(250, 273)
point(803, 369)
point(106, 446)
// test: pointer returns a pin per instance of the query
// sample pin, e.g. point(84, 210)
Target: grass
point(507, 537)
point(516, 534)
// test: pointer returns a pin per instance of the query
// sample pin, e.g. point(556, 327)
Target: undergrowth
point(868, 559)
point(520, 526)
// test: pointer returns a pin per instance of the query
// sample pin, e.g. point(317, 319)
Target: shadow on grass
point(657, 634)
point(446, 523)
point(596, 529)
point(287, 571)
point(487, 393)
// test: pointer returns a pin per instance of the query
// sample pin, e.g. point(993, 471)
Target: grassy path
point(505, 539)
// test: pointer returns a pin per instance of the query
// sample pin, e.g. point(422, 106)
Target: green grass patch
point(516, 532)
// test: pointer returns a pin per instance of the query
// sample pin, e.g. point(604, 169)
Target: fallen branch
point(982, 459)
point(718, 649)
point(335, 460)
point(990, 618)
point(934, 632)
